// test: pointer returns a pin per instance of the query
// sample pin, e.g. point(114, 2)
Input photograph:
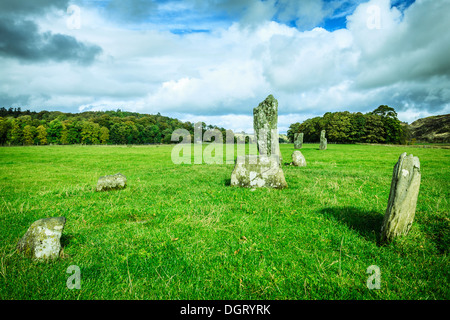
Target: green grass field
point(181, 232)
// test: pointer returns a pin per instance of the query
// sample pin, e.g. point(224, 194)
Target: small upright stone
point(265, 125)
point(298, 159)
point(403, 195)
point(117, 181)
point(42, 240)
point(298, 140)
point(323, 140)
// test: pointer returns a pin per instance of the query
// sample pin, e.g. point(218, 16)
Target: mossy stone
point(42, 239)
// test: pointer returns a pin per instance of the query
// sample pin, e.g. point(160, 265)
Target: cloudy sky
point(214, 61)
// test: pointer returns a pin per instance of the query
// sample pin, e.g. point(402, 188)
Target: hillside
point(93, 127)
point(435, 129)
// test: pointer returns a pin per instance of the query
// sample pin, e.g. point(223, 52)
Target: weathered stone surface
point(117, 181)
point(298, 159)
point(265, 125)
point(323, 140)
point(402, 201)
point(42, 240)
point(298, 140)
point(254, 171)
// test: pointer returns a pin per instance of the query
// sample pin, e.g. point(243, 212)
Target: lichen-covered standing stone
point(298, 140)
point(42, 240)
point(265, 125)
point(403, 195)
point(254, 171)
point(117, 181)
point(323, 141)
point(298, 159)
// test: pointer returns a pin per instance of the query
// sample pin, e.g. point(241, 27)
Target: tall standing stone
point(402, 201)
point(298, 140)
point(323, 140)
point(42, 239)
point(263, 170)
point(265, 125)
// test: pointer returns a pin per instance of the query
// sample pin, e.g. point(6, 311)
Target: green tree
point(90, 132)
point(41, 135)
point(5, 126)
point(339, 127)
point(311, 129)
point(54, 132)
point(28, 135)
point(393, 130)
point(64, 134)
point(385, 111)
point(166, 136)
point(74, 132)
point(117, 134)
point(358, 124)
point(16, 133)
point(154, 133)
point(104, 135)
point(131, 133)
point(374, 130)
point(293, 129)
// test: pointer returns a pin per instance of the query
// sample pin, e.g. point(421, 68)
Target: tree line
point(19, 127)
point(378, 126)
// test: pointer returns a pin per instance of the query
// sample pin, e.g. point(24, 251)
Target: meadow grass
point(182, 232)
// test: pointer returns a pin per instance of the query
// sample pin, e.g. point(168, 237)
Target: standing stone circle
point(323, 140)
point(42, 239)
point(265, 125)
point(117, 181)
point(298, 159)
point(252, 171)
point(298, 140)
point(403, 195)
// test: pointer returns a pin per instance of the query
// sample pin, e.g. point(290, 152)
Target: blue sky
point(214, 61)
point(188, 15)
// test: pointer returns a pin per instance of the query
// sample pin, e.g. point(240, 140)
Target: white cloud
point(412, 114)
point(223, 74)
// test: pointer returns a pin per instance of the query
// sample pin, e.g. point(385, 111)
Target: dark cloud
point(7, 100)
point(20, 7)
point(133, 11)
point(22, 40)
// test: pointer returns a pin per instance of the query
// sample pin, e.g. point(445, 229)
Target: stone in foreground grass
point(402, 201)
point(42, 240)
point(298, 159)
point(254, 171)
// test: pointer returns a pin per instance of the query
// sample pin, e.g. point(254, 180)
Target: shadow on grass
point(437, 229)
point(227, 182)
point(66, 239)
point(366, 223)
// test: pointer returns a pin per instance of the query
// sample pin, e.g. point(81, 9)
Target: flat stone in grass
point(298, 159)
point(254, 171)
point(117, 181)
point(42, 240)
point(403, 195)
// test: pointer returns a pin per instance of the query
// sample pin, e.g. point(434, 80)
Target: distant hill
point(19, 127)
point(435, 129)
